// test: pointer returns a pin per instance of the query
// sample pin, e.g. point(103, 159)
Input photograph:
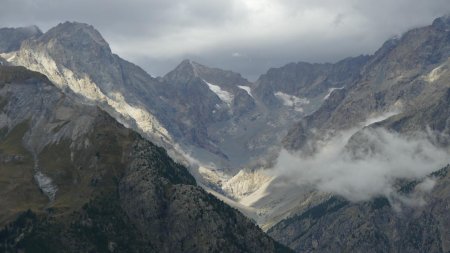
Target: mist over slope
point(368, 166)
point(384, 180)
point(343, 151)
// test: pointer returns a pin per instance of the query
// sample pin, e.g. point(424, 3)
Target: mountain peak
point(442, 23)
point(185, 68)
point(186, 63)
point(191, 64)
point(73, 25)
point(75, 32)
point(188, 69)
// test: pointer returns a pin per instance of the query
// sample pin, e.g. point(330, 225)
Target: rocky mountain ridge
point(78, 60)
point(194, 111)
point(74, 179)
point(225, 123)
point(395, 79)
point(306, 80)
point(403, 89)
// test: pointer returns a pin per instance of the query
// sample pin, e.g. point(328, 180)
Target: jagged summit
point(185, 62)
point(182, 73)
point(306, 80)
point(442, 23)
point(188, 69)
point(76, 58)
point(75, 34)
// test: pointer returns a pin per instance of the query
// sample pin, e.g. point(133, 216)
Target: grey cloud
point(159, 34)
point(134, 18)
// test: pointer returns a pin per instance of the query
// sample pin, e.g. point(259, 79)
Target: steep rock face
point(434, 118)
point(50, 140)
point(215, 110)
point(78, 60)
point(403, 88)
point(176, 109)
point(209, 113)
point(203, 96)
point(404, 75)
point(335, 224)
point(231, 82)
point(92, 185)
point(195, 105)
point(307, 80)
point(169, 212)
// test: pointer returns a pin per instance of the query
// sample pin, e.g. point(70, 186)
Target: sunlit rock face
point(78, 60)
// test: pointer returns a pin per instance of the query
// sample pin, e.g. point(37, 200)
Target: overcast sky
point(247, 36)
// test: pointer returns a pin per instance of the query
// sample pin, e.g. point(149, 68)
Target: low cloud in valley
point(367, 166)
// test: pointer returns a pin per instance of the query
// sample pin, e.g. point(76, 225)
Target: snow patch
point(292, 101)
point(330, 90)
point(247, 89)
point(45, 183)
point(224, 95)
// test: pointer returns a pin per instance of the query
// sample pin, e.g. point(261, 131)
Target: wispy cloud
point(366, 165)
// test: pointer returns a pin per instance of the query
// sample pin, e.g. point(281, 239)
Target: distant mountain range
point(80, 166)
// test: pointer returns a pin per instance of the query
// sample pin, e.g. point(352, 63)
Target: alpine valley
point(96, 155)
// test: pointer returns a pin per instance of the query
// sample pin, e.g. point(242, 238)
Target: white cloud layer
point(159, 34)
point(380, 159)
